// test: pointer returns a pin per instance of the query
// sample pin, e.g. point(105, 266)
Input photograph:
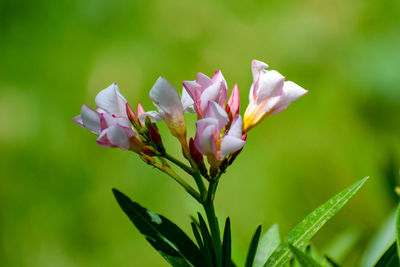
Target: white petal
point(111, 120)
point(90, 119)
point(231, 144)
point(116, 136)
point(216, 111)
point(203, 139)
point(236, 127)
point(209, 94)
point(78, 120)
point(269, 84)
point(257, 67)
point(153, 115)
point(165, 97)
point(203, 80)
point(218, 77)
point(187, 102)
point(111, 100)
point(207, 140)
point(291, 92)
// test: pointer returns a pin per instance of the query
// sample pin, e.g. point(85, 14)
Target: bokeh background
point(56, 206)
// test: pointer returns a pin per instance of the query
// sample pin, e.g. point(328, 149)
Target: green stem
point(177, 162)
point(199, 182)
point(178, 179)
point(213, 221)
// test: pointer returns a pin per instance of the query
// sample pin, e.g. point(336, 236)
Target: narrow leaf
point(169, 253)
point(302, 258)
point(197, 235)
point(253, 247)
point(170, 241)
point(331, 261)
point(208, 245)
point(306, 229)
point(381, 240)
point(398, 230)
point(226, 244)
point(342, 244)
point(312, 252)
point(389, 258)
point(269, 242)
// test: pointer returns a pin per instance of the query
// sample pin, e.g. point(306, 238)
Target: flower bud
point(131, 114)
point(155, 137)
point(197, 158)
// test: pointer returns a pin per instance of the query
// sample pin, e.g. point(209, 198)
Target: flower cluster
point(220, 130)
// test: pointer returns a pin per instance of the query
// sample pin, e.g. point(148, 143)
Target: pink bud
point(155, 137)
point(131, 114)
point(233, 106)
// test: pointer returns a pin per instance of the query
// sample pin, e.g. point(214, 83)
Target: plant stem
point(177, 162)
point(213, 221)
point(178, 179)
point(200, 185)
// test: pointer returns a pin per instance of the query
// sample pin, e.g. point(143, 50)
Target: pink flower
point(210, 141)
point(204, 89)
point(170, 108)
point(269, 94)
point(110, 121)
point(233, 106)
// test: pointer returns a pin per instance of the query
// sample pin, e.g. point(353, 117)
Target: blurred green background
point(56, 206)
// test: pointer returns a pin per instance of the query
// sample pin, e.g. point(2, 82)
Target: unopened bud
point(133, 117)
point(131, 114)
point(197, 158)
point(155, 137)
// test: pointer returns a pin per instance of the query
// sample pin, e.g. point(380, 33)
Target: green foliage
point(398, 230)
point(253, 247)
point(227, 244)
point(168, 239)
point(304, 259)
point(305, 230)
point(268, 243)
point(342, 244)
point(389, 258)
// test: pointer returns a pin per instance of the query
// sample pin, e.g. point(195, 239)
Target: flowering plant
point(221, 134)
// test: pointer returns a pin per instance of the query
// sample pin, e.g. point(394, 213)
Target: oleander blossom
point(170, 108)
point(220, 131)
point(269, 94)
point(204, 89)
point(211, 141)
point(110, 121)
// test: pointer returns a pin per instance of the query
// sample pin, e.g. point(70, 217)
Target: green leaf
point(342, 244)
point(169, 240)
point(208, 245)
point(302, 258)
point(381, 240)
point(268, 243)
point(226, 244)
point(197, 235)
point(331, 261)
point(306, 229)
point(389, 258)
point(312, 252)
point(398, 230)
point(253, 247)
point(169, 253)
